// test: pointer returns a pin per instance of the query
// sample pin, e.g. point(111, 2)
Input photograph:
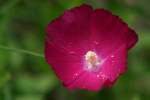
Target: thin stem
point(21, 51)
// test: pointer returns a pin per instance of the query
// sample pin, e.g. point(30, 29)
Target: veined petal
point(66, 66)
point(89, 81)
point(67, 42)
point(108, 32)
point(71, 31)
point(114, 65)
point(132, 38)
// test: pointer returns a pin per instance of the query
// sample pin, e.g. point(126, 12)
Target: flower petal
point(65, 66)
point(132, 38)
point(70, 32)
point(88, 81)
point(67, 42)
point(108, 32)
point(114, 65)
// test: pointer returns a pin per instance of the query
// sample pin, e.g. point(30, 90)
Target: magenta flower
point(88, 48)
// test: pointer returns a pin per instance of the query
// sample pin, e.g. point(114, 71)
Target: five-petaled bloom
point(88, 48)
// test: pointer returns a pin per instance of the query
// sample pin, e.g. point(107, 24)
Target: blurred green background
point(28, 77)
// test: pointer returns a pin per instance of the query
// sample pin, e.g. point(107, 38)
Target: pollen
point(92, 60)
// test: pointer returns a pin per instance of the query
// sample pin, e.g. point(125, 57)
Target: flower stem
point(21, 51)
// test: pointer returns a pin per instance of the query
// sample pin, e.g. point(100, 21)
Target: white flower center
point(92, 60)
